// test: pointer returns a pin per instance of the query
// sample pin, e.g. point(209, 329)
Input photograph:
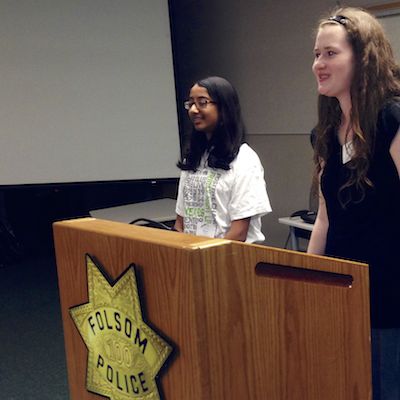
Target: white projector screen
point(86, 91)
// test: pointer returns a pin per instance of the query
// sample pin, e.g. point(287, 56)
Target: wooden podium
point(246, 321)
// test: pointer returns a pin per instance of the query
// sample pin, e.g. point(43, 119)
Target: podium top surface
point(188, 242)
point(143, 234)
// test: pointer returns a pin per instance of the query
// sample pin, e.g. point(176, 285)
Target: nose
point(193, 108)
point(318, 64)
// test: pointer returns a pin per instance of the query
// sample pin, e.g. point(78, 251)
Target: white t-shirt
point(209, 199)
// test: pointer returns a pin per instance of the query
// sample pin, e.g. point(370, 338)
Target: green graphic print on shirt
point(200, 202)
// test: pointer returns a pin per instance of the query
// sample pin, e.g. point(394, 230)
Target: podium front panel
point(245, 321)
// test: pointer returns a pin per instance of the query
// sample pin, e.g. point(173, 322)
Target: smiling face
point(203, 119)
point(333, 64)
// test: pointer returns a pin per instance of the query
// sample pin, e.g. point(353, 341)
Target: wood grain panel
point(237, 334)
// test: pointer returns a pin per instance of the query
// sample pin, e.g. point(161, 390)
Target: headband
point(339, 19)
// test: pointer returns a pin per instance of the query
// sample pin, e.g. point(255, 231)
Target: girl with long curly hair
point(357, 157)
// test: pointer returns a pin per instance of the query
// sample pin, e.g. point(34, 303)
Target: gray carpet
point(32, 357)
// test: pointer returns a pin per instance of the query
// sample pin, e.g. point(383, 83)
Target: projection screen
point(86, 91)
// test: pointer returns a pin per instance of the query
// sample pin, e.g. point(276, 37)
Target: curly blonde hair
point(376, 79)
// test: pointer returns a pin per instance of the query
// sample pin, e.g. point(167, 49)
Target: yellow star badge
point(125, 354)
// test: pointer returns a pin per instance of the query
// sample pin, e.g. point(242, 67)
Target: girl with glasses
point(357, 157)
point(222, 191)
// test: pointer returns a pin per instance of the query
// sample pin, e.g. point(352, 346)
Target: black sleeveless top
point(367, 228)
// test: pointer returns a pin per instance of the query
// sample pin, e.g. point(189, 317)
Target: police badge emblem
point(125, 355)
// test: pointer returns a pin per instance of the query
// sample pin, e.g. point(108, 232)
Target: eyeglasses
point(200, 103)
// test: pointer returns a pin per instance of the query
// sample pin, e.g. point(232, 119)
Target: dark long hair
point(228, 135)
point(376, 79)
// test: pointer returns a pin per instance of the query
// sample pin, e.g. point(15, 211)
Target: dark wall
point(192, 59)
point(29, 211)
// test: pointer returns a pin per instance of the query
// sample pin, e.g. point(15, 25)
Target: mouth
point(323, 77)
point(196, 120)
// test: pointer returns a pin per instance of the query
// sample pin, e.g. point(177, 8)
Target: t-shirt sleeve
point(249, 194)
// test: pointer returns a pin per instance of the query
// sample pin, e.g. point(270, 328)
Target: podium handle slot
point(304, 275)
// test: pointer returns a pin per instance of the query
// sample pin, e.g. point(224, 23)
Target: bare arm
point(238, 230)
point(395, 151)
point(320, 229)
point(179, 223)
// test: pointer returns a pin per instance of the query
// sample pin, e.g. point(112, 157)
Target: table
point(162, 210)
point(293, 223)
